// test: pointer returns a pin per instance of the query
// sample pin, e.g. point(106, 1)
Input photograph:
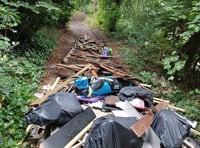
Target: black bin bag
point(113, 132)
point(129, 93)
point(58, 109)
point(171, 128)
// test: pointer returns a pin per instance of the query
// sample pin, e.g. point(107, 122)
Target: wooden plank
point(55, 83)
point(72, 67)
point(143, 124)
point(68, 55)
point(68, 131)
point(195, 132)
point(172, 106)
point(117, 72)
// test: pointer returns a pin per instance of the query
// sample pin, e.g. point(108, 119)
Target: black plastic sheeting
point(113, 132)
point(129, 93)
point(171, 128)
point(58, 109)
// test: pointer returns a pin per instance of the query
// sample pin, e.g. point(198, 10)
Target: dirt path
point(66, 42)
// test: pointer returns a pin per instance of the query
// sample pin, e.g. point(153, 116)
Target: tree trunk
point(191, 50)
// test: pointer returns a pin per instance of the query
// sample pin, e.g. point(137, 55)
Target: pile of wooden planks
point(87, 50)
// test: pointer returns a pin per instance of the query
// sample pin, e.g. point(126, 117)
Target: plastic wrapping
point(171, 128)
point(57, 109)
point(113, 132)
point(89, 100)
point(129, 93)
point(90, 87)
point(106, 51)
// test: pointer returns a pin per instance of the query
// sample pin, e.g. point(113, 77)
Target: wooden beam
point(172, 106)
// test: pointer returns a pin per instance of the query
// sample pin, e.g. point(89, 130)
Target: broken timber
point(87, 50)
point(145, 122)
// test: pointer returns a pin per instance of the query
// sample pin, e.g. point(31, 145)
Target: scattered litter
point(106, 52)
point(36, 131)
point(97, 104)
point(129, 111)
point(38, 95)
point(100, 106)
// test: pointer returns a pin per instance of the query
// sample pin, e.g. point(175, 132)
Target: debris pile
point(100, 106)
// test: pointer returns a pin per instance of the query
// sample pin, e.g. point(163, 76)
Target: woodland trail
point(67, 37)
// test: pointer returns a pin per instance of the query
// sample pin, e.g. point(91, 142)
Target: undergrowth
point(20, 72)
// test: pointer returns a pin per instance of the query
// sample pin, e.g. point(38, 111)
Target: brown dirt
point(66, 42)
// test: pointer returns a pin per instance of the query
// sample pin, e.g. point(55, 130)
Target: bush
point(20, 73)
point(39, 46)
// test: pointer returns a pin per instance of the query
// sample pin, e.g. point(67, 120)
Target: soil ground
point(67, 37)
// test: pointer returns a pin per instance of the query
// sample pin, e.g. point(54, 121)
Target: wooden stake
point(160, 100)
point(195, 131)
point(59, 87)
point(72, 67)
point(172, 106)
point(55, 83)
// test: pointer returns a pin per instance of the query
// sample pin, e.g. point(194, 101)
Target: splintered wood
point(87, 50)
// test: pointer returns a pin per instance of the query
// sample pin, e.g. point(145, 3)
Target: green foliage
point(128, 54)
point(38, 47)
point(173, 64)
point(107, 15)
point(20, 73)
point(193, 22)
point(17, 84)
point(180, 20)
point(26, 17)
point(86, 6)
point(66, 8)
point(148, 78)
point(9, 18)
point(6, 45)
point(155, 28)
point(21, 67)
point(135, 23)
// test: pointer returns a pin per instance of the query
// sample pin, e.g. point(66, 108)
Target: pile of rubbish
point(100, 106)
